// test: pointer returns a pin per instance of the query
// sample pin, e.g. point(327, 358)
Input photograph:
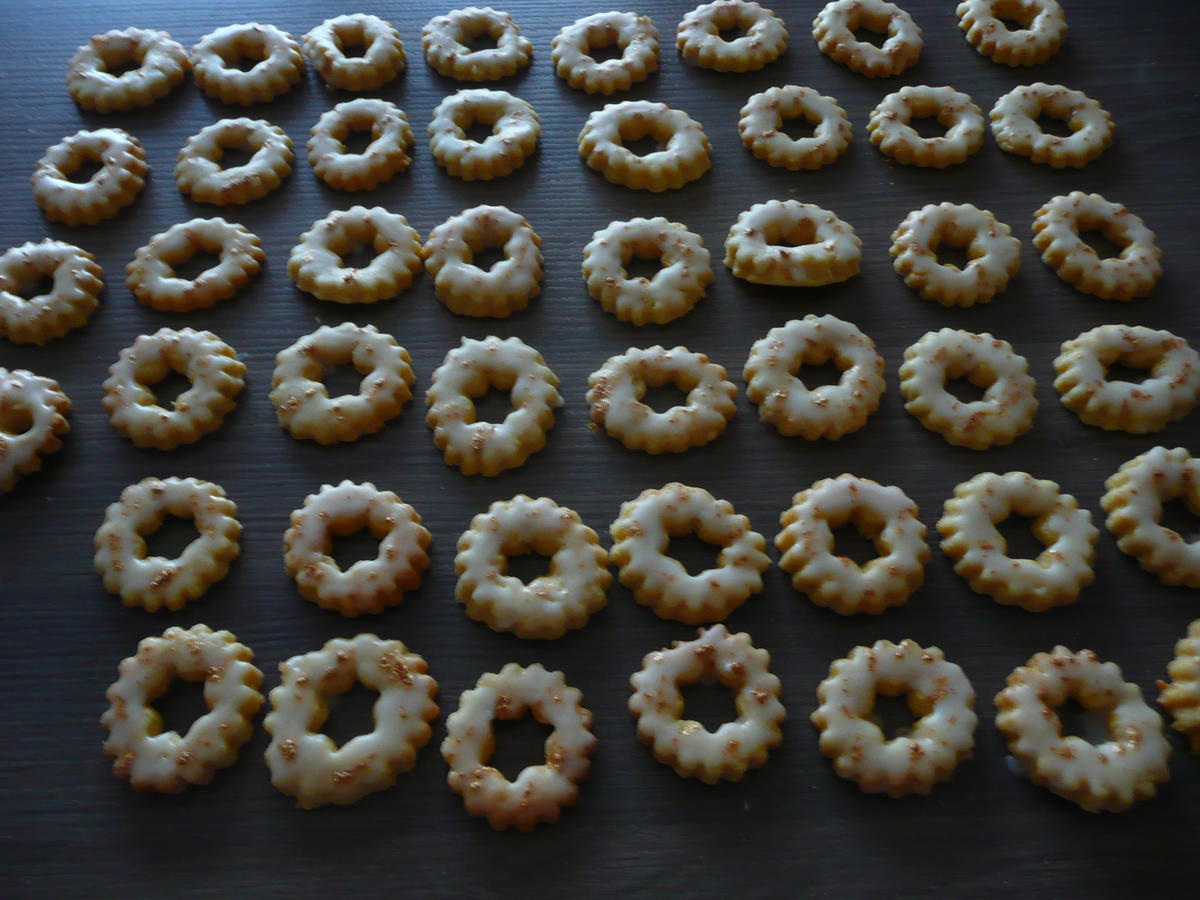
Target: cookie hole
point(478, 131)
point(1178, 516)
point(731, 34)
point(637, 267)
point(347, 549)
point(488, 257)
point(893, 716)
point(850, 541)
point(663, 397)
point(234, 157)
point(696, 555)
point(1014, 15)
point(1019, 540)
point(358, 257)
point(819, 374)
point(350, 714)
point(518, 743)
point(32, 288)
point(351, 41)
point(171, 538)
point(527, 567)
point(603, 50)
point(643, 146)
point(248, 53)
point(357, 141)
point(15, 420)
point(494, 406)
point(965, 390)
point(342, 380)
point(477, 39)
point(708, 702)
point(1105, 247)
point(798, 128)
point(870, 34)
point(1118, 371)
point(195, 265)
point(1076, 719)
point(801, 234)
point(120, 61)
point(180, 705)
point(951, 256)
point(169, 388)
point(1054, 126)
point(927, 126)
point(84, 170)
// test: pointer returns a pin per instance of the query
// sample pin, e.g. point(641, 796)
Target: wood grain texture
point(69, 828)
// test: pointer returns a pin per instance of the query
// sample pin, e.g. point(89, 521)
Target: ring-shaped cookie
point(773, 383)
point(370, 585)
point(1043, 29)
point(198, 170)
point(641, 540)
point(683, 146)
point(635, 36)
point(1170, 390)
point(760, 124)
point(993, 254)
point(160, 64)
point(565, 597)
point(515, 130)
point(154, 760)
point(154, 582)
point(445, 39)
point(1134, 498)
point(615, 392)
point(1008, 405)
point(1015, 126)
point(317, 263)
point(78, 281)
point(939, 696)
point(152, 278)
point(539, 792)
point(307, 764)
point(820, 248)
point(698, 37)
point(686, 745)
point(834, 27)
point(980, 552)
point(385, 156)
point(33, 419)
point(891, 132)
point(468, 290)
point(382, 56)
point(882, 513)
point(212, 367)
point(302, 401)
point(1110, 776)
point(471, 370)
point(673, 290)
point(122, 173)
point(215, 60)
point(1132, 273)
point(1181, 695)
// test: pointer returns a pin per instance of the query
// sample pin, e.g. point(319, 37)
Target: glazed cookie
point(154, 760)
point(302, 401)
point(153, 280)
point(445, 39)
point(830, 411)
point(471, 370)
point(153, 582)
point(385, 156)
point(212, 367)
point(1169, 392)
point(120, 179)
point(160, 64)
point(27, 318)
point(574, 588)
point(33, 419)
point(641, 542)
point(938, 694)
point(993, 254)
point(307, 764)
point(834, 27)
point(198, 170)
point(699, 39)
point(1043, 29)
point(317, 262)
point(370, 585)
point(468, 290)
point(633, 35)
point(891, 132)
point(1014, 124)
point(685, 744)
point(980, 552)
point(1008, 405)
point(381, 59)
point(216, 56)
point(684, 148)
point(616, 389)
point(884, 514)
point(1181, 695)
point(515, 129)
point(760, 125)
point(820, 248)
point(674, 289)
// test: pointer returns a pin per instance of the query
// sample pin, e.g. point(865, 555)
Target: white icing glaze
point(891, 132)
point(539, 792)
point(382, 57)
point(634, 35)
point(761, 120)
point(825, 250)
point(198, 170)
point(686, 745)
point(281, 64)
point(468, 290)
point(68, 305)
point(642, 535)
point(883, 513)
point(834, 27)
point(445, 38)
point(154, 760)
point(1110, 776)
point(832, 410)
point(306, 764)
point(1181, 695)
point(939, 695)
point(316, 264)
point(515, 130)
point(698, 36)
point(160, 62)
point(152, 276)
point(387, 154)
point(1014, 124)
point(615, 392)
point(980, 553)
point(117, 184)
point(684, 153)
point(1029, 45)
point(154, 582)
point(41, 400)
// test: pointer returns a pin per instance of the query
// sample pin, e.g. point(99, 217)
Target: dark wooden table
point(69, 828)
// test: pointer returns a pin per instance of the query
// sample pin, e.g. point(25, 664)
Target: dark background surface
point(69, 827)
